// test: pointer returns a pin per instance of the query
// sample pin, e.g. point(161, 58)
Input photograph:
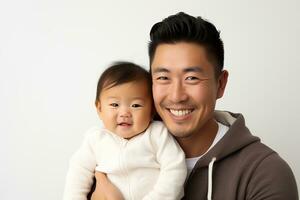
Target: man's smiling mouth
point(180, 112)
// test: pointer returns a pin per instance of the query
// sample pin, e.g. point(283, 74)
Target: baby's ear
point(98, 106)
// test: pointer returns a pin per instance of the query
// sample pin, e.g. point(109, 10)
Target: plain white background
point(52, 53)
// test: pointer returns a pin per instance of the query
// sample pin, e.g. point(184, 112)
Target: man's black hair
point(182, 27)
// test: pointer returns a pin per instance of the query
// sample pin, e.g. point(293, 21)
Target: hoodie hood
point(238, 167)
point(237, 137)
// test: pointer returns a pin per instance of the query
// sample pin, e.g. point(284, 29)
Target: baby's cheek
point(143, 122)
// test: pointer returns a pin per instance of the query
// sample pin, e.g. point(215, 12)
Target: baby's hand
point(105, 190)
point(98, 194)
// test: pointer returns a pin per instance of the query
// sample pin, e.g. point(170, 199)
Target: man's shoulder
point(256, 154)
point(258, 151)
point(270, 172)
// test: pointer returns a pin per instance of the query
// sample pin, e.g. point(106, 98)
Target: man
point(225, 161)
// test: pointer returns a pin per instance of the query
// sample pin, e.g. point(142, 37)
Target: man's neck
point(198, 143)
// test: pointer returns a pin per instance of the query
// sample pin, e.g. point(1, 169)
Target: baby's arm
point(171, 158)
point(105, 190)
point(81, 171)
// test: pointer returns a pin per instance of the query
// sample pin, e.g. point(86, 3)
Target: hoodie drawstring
point(210, 172)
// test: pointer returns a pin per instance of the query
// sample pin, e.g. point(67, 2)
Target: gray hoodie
point(240, 167)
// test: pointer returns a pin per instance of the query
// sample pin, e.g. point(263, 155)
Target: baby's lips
point(124, 124)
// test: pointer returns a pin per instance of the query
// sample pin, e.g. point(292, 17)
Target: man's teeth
point(180, 113)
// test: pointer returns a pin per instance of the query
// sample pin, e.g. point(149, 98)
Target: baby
point(138, 155)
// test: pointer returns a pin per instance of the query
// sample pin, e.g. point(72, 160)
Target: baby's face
point(126, 109)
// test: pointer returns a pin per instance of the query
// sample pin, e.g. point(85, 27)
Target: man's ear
point(222, 81)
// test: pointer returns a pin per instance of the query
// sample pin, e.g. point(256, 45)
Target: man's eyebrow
point(160, 69)
point(193, 69)
point(187, 69)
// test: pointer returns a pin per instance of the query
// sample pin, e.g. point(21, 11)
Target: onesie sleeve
point(81, 170)
point(171, 158)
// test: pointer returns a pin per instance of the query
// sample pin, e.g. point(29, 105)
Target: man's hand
point(105, 190)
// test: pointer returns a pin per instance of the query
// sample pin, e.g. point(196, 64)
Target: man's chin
point(179, 133)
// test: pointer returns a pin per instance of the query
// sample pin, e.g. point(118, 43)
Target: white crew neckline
point(191, 162)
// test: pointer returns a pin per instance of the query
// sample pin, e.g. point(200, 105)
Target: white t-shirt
point(191, 162)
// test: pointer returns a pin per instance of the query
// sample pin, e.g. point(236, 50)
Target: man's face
point(184, 87)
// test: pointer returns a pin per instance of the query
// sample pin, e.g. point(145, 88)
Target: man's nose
point(177, 92)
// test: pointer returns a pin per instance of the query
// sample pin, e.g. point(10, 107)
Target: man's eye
point(114, 104)
point(136, 105)
point(191, 78)
point(162, 78)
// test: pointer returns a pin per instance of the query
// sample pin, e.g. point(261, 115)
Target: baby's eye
point(114, 104)
point(136, 105)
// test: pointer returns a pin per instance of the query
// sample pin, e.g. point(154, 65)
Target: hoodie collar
point(237, 137)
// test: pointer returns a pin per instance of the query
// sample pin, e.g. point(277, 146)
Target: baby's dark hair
point(122, 72)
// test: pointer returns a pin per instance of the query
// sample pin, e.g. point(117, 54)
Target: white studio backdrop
point(52, 53)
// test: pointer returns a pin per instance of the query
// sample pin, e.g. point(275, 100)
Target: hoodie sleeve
point(171, 158)
point(81, 171)
point(272, 180)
